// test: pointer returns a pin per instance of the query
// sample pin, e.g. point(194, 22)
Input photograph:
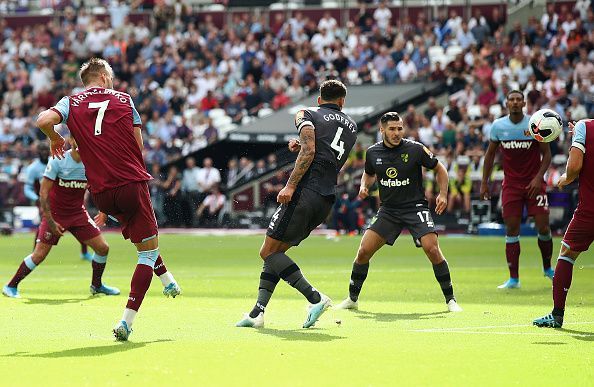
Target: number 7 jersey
point(102, 122)
point(336, 134)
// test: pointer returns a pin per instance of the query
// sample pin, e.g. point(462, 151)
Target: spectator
point(156, 186)
point(209, 211)
point(382, 16)
point(172, 200)
point(407, 71)
point(460, 188)
point(190, 190)
point(208, 177)
point(232, 172)
point(390, 74)
point(271, 189)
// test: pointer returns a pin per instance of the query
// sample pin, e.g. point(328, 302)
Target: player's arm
point(443, 182)
point(488, 169)
point(535, 185)
point(46, 122)
point(46, 186)
point(29, 187)
point(307, 140)
point(367, 180)
point(137, 122)
point(138, 137)
point(575, 161)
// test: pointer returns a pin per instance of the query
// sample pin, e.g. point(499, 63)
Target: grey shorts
point(388, 223)
point(293, 222)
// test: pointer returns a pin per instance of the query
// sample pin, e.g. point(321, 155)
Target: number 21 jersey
point(102, 122)
point(336, 133)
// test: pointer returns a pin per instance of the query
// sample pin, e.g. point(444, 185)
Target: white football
point(545, 125)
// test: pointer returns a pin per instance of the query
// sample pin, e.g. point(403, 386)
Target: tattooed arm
point(46, 186)
point(307, 139)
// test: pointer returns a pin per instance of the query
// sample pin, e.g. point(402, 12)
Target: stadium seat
point(559, 159)
point(246, 120)
point(435, 51)
point(495, 110)
point(216, 113)
point(474, 111)
point(222, 121)
point(189, 113)
point(265, 112)
point(452, 51)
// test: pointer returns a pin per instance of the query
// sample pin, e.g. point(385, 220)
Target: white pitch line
point(465, 329)
point(516, 333)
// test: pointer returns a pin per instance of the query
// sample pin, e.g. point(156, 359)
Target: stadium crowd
point(192, 82)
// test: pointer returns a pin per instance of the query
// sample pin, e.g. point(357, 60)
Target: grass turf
point(59, 335)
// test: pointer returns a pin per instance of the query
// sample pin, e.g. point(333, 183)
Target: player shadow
point(102, 350)
point(579, 335)
point(548, 343)
point(389, 317)
point(58, 301)
point(299, 335)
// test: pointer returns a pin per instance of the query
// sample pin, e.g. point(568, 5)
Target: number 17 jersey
point(336, 134)
point(102, 122)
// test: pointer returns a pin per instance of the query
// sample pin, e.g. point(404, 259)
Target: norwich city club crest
point(404, 157)
point(391, 173)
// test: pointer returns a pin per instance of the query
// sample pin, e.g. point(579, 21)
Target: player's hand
point(562, 181)
point(56, 227)
point(485, 194)
point(294, 145)
point(441, 202)
point(285, 195)
point(57, 146)
point(534, 187)
point(571, 126)
point(363, 192)
point(100, 219)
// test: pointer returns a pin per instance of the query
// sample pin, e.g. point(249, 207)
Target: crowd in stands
point(192, 82)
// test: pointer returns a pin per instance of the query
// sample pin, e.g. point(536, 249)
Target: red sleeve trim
point(60, 114)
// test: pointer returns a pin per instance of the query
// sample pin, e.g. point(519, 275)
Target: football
point(545, 125)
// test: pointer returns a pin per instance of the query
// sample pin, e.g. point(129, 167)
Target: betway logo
point(516, 144)
point(72, 184)
point(394, 182)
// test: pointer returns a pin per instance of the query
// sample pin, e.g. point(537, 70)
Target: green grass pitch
point(57, 334)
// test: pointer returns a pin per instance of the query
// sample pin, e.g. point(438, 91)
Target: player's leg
point(578, 237)
point(268, 281)
point(30, 262)
point(512, 251)
point(370, 244)
point(561, 285)
point(98, 262)
point(545, 243)
point(84, 253)
point(170, 286)
point(430, 246)
point(148, 251)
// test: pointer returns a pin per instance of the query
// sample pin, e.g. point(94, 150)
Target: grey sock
point(358, 276)
point(268, 281)
point(288, 270)
point(442, 275)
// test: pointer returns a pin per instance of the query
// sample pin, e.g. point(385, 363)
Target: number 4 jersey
point(336, 133)
point(102, 122)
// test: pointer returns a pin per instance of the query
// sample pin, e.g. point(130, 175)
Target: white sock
point(128, 317)
point(166, 278)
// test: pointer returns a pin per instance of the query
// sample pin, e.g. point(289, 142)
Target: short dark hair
point(332, 90)
point(390, 116)
point(91, 69)
point(515, 91)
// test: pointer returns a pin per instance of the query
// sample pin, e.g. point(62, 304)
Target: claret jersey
point(521, 152)
point(70, 183)
point(102, 122)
